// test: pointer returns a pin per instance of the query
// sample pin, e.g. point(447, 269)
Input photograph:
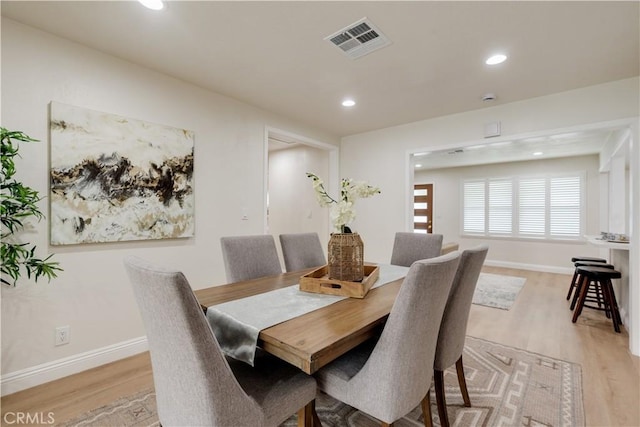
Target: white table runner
point(237, 324)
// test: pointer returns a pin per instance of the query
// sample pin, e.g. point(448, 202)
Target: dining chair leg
point(462, 382)
point(438, 379)
point(302, 417)
point(316, 418)
point(307, 416)
point(426, 409)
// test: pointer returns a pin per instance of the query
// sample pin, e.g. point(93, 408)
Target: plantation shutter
point(531, 207)
point(550, 207)
point(565, 206)
point(500, 206)
point(473, 193)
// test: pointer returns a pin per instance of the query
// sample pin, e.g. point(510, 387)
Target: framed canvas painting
point(118, 179)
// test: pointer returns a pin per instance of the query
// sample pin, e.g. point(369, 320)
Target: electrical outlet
point(62, 335)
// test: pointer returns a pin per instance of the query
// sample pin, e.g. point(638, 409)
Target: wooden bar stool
point(593, 290)
point(600, 277)
point(574, 280)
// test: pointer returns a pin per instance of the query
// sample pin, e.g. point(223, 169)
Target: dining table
point(316, 338)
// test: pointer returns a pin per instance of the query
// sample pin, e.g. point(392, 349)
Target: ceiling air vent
point(359, 39)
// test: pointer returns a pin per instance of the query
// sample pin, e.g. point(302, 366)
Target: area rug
point(497, 290)
point(507, 386)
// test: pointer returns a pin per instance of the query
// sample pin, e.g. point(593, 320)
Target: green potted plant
point(19, 204)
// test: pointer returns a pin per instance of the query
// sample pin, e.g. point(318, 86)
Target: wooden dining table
point(312, 340)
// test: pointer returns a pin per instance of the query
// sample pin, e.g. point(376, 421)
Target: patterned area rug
point(497, 290)
point(507, 386)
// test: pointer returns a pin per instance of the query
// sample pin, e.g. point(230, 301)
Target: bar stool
point(600, 277)
point(578, 280)
point(575, 272)
point(594, 291)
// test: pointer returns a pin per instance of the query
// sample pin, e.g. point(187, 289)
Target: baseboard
point(40, 374)
point(532, 267)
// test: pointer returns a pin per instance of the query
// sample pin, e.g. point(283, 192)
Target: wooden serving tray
point(318, 282)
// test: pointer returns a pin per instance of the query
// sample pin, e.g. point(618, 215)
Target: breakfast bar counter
point(611, 244)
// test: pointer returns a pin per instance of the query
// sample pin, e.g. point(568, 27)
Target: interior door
point(423, 208)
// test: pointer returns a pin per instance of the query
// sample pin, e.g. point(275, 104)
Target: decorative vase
point(346, 257)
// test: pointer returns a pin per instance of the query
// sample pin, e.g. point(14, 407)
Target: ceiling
point(273, 54)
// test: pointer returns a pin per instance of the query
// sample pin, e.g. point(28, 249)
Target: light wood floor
point(539, 321)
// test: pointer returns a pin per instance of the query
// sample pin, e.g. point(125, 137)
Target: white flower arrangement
point(342, 211)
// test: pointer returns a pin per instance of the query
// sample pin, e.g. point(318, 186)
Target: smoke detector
point(359, 39)
point(488, 97)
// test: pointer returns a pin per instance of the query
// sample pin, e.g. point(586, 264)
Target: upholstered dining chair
point(411, 247)
point(195, 384)
point(249, 257)
point(453, 329)
point(390, 377)
point(301, 250)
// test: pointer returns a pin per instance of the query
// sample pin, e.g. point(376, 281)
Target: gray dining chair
point(411, 247)
point(388, 378)
point(301, 250)
point(250, 257)
point(195, 384)
point(453, 329)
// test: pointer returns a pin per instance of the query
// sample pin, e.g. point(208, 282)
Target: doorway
point(290, 201)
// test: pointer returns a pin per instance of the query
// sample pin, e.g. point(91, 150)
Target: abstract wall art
point(118, 179)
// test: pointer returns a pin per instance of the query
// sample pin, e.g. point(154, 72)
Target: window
point(549, 207)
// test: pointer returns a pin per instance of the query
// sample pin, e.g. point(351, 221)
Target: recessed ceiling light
point(538, 153)
point(418, 165)
point(348, 103)
point(152, 4)
point(496, 59)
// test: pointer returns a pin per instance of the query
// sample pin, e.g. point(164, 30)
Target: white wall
point(543, 254)
point(93, 295)
point(293, 207)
